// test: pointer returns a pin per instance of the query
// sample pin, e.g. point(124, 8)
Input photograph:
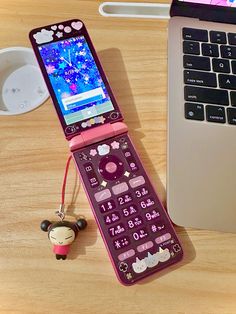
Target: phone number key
point(146, 203)
point(129, 210)
point(116, 230)
point(111, 218)
point(124, 199)
point(140, 234)
point(121, 242)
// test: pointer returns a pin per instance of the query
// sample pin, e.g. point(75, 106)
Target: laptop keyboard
point(209, 62)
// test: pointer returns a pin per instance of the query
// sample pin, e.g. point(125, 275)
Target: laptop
point(201, 171)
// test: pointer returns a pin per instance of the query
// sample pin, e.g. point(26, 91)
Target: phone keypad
point(134, 224)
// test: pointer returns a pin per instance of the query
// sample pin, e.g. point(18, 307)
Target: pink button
point(120, 188)
point(163, 238)
point(125, 255)
point(102, 195)
point(145, 246)
point(111, 167)
point(137, 181)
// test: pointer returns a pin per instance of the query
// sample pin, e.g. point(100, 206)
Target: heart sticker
point(77, 25)
point(54, 27)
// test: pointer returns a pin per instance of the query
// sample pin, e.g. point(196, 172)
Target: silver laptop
point(201, 179)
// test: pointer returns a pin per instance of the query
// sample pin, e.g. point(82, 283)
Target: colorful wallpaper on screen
point(225, 3)
point(72, 71)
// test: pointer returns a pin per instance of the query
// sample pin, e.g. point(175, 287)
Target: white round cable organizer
point(135, 10)
point(22, 87)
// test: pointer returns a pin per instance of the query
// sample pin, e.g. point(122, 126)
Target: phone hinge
point(97, 134)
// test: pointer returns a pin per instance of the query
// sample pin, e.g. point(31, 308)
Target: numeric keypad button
point(124, 199)
point(140, 234)
point(134, 222)
point(129, 210)
point(102, 195)
point(121, 242)
point(141, 192)
point(107, 206)
point(146, 203)
point(152, 215)
point(145, 246)
point(111, 218)
point(116, 230)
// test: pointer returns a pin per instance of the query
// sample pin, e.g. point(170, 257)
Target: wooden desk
point(33, 154)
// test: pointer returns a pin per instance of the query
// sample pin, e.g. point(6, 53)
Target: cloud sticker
point(43, 36)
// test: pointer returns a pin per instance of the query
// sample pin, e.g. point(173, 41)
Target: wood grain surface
point(33, 153)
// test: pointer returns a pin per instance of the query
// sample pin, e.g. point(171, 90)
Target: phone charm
point(63, 233)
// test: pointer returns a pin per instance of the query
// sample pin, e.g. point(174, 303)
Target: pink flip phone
point(136, 230)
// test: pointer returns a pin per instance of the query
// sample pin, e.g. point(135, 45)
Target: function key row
point(217, 37)
point(213, 113)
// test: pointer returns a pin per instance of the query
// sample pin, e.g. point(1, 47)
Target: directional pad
point(111, 167)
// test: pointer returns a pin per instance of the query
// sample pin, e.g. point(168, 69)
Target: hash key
point(191, 47)
point(215, 114)
point(194, 111)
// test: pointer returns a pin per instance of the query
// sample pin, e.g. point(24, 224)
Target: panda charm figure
point(62, 234)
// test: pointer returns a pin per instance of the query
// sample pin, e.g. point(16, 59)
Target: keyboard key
point(195, 34)
point(215, 114)
point(233, 64)
point(232, 38)
point(210, 50)
point(231, 113)
point(227, 81)
point(194, 111)
point(233, 98)
point(206, 95)
point(228, 52)
point(197, 63)
point(129, 210)
point(152, 215)
point(141, 192)
point(124, 199)
point(157, 227)
point(218, 37)
point(200, 78)
point(220, 65)
point(191, 47)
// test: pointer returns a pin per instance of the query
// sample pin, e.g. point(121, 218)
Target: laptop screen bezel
point(206, 12)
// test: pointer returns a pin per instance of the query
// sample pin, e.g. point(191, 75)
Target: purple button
point(116, 230)
point(120, 188)
point(111, 218)
point(163, 238)
point(144, 246)
point(125, 255)
point(136, 181)
point(107, 206)
point(121, 242)
point(102, 195)
point(111, 167)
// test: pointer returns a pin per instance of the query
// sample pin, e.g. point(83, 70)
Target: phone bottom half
point(136, 230)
